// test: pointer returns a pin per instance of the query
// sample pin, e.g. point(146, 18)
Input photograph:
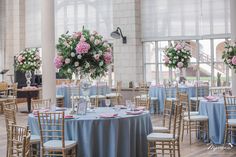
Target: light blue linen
point(159, 92)
point(216, 113)
point(123, 136)
point(64, 90)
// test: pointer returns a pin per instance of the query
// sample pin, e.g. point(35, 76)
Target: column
point(48, 50)
point(233, 38)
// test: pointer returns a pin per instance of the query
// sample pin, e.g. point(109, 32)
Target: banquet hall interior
point(117, 78)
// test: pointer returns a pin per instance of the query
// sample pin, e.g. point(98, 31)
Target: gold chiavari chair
point(143, 98)
point(230, 111)
point(117, 95)
point(198, 123)
point(100, 95)
point(201, 92)
point(10, 118)
point(19, 141)
point(13, 94)
point(74, 93)
point(40, 103)
point(167, 141)
point(60, 100)
point(3, 89)
point(217, 91)
point(167, 117)
point(171, 92)
point(53, 141)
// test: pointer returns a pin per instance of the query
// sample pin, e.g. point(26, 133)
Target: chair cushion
point(57, 144)
point(160, 137)
point(160, 129)
point(59, 96)
point(154, 98)
point(113, 94)
point(196, 98)
point(232, 121)
point(34, 139)
point(192, 113)
point(196, 118)
point(98, 96)
point(171, 99)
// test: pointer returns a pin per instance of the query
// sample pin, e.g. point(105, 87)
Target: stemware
point(107, 102)
point(128, 103)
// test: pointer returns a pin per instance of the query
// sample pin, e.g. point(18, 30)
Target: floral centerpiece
point(83, 52)
point(177, 56)
point(229, 55)
point(28, 61)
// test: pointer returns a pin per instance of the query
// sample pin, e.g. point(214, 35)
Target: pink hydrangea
point(180, 64)
point(20, 58)
point(82, 47)
point(108, 57)
point(234, 60)
point(178, 47)
point(58, 61)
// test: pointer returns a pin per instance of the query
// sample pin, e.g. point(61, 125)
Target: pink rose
point(20, 58)
point(180, 64)
point(234, 60)
point(82, 47)
point(82, 38)
point(109, 49)
point(229, 61)
point(107, 57)
point(77, 35)
point(166, 59)
point(58, 61)
point(178, 47)
point(96, 57)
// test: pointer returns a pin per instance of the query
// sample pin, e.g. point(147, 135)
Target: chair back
point(177, 120)
point(40, 103)
point(202, 91)
point(60, 100)
point(3, 88)
point(184, 101)
point(19, 141)
point(118, 88)
point(171, 91)
point(101, 88)
point(10, 105)
point(167, 114)
point(218, 91)
point(230, 107)
point(13, 91)
point(143, 98)
point(10, 118)
point(51, 125)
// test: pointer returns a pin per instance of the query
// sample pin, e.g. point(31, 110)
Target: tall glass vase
point(28, 76)
point(85, 86)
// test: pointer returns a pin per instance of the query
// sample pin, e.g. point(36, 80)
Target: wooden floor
point(197, 149)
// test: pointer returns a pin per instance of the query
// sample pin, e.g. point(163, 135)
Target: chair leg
point(189, 127)
point(178, 148)
point(174, 148)
point(182, 132)
point(170, 149)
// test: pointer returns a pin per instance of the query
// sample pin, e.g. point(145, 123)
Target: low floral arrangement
point(229, 55)
point(28, 60)
point(177, 56)
point(83, 52)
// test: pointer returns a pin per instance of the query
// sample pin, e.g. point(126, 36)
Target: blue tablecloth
point(65, 91)
point(159, 92)
point(124, 136)
point(216, 113)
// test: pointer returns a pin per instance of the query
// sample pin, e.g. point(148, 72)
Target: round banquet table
point(123, 136)
point(65, 91)
point(159, 92)
point(217, 118)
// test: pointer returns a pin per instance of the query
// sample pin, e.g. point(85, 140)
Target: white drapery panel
point(2, 34)
point(185, 19)
point(70, 15)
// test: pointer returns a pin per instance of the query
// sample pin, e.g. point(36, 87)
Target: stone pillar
point(48, 50)
point(128, 58)
point(233, 38)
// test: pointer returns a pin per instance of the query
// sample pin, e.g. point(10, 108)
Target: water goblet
point(107, 102)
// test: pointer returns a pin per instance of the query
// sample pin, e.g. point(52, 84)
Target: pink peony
point(166, 59)
point(82, 47)
point(58, 61)
point(180, 64)
point(108, 57)
point(178, 47)
point(234, 60)
point(20, 58)
point(96, 57)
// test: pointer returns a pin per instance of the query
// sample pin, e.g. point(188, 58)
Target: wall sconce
point(117, 34)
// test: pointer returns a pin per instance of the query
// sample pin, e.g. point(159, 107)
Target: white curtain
point(2, 34)
point(185, 19)
point(70, 15)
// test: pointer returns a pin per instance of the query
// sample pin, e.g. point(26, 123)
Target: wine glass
point(128, 103)
point(132, 106)
point(107, 102)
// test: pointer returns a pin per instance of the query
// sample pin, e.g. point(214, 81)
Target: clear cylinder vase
point(28, 76)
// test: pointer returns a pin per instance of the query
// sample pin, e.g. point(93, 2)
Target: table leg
point(29, 103)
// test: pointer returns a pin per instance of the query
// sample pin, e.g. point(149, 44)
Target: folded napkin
point(134, 112)
point(211, 98)
point(121, 106)
point(68, 116)
point(139, 108)
point(60, 108)
point(35, 112)
point(108, 115)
